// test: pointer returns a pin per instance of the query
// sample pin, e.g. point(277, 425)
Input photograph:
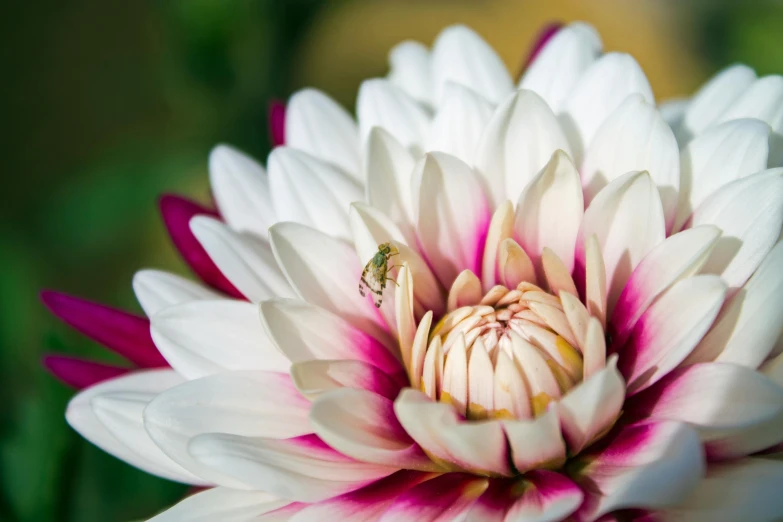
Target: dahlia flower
point(577, 311)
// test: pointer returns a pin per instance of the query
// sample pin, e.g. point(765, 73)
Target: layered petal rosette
point(576, 317)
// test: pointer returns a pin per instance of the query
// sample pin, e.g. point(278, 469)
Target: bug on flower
point(376, 273)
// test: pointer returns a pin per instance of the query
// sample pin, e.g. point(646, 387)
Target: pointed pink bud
point(80, 373)
point(277, 122)
point(119, 331)
point(177, 213)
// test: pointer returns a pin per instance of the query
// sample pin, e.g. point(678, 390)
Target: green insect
point(376, 273)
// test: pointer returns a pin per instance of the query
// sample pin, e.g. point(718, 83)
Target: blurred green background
point(107, 104)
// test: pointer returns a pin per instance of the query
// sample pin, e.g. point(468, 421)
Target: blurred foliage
point(107, 104)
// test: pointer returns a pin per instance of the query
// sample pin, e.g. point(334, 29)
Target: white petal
point(748, 489)
point(459, 122)
point(537, 442)
point(716, 96)
point(762, 100)
point(364, 505)
point(461, 56)
point(246, 260)
point(314, 378)
point(410, 69)
point(722, 154)
point(558, 66)
point(501, 228)
point(224, 504)
point(372, 228)
point(518, 141)
point(550, 211)
point(362, 425)
point(156, 289)
point(241, 190)
point(325, 271)
point(737, 411)
point(548, 497)
point(302, 468)
point(750, 324)
point(673, 112)
point(591, 408)
point(382, 104)
point(444, 498)
point(261, 404)
point(634, 137)
point(750, 213)
point(133, 445)
point(627, 218)
point(436, 427)
point(681, 255)
point(598, 92)
point(651, 465)
point(205, 337)
point(319, 126)
point(308, 191)
point(388, 169)
point(670, 329)
point(452, 215)
point(304, 332)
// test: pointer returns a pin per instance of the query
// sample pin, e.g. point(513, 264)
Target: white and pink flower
point(585, 322)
